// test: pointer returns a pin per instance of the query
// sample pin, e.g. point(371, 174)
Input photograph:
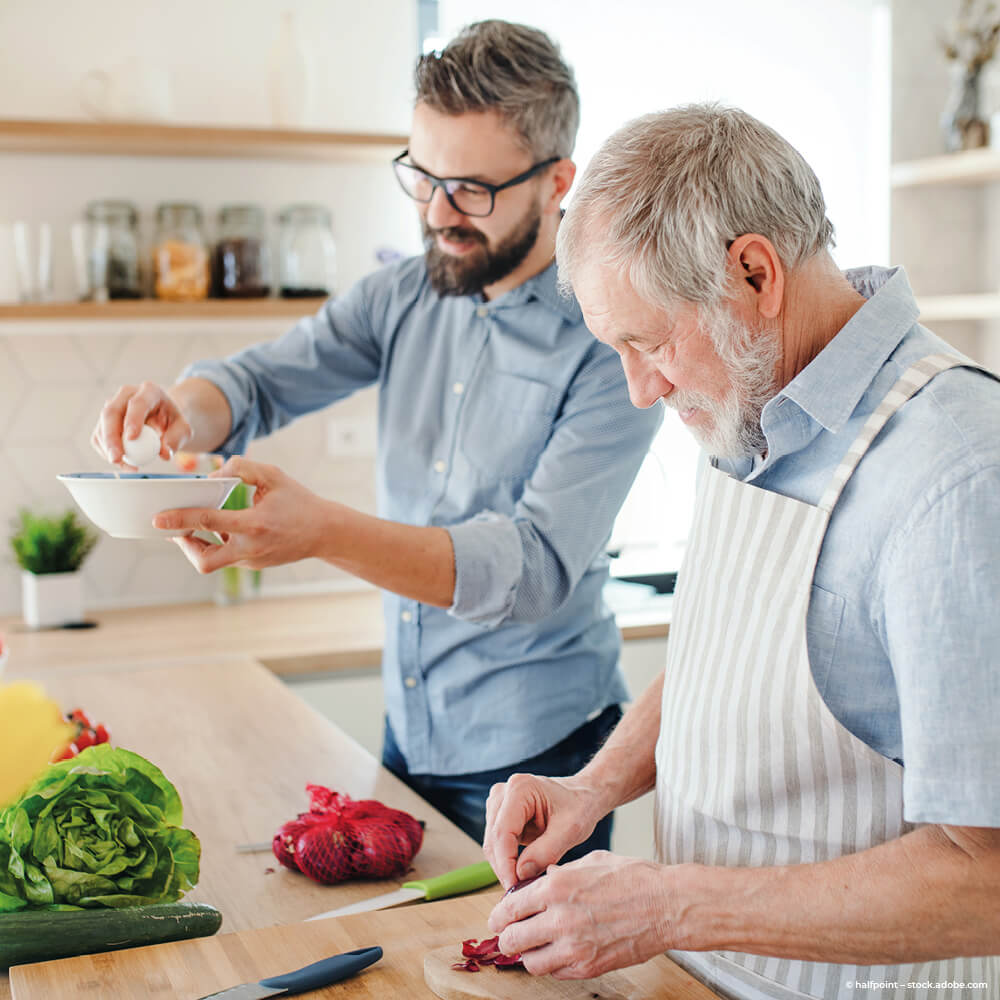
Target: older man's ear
point(755, 262)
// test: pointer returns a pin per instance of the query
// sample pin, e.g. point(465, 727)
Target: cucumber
point(40, 935)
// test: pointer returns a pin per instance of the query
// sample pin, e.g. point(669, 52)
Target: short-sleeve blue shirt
point(904, 623)
point(508, 424)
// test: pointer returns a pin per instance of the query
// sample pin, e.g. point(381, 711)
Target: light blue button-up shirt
point(508, 424)
point(904, 620)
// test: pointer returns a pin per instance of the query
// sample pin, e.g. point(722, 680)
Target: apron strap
point(912, 380)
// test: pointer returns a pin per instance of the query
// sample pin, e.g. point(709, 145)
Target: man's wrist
point(328, 532)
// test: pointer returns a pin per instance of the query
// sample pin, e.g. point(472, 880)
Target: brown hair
point(510, 68)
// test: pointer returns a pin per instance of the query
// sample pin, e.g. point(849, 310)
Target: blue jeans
point(462, 797)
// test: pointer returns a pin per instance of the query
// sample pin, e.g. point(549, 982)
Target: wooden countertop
point(186, 969)
point(304, 634)
point(240, 748)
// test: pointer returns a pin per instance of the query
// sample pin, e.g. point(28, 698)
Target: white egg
point(143, 449)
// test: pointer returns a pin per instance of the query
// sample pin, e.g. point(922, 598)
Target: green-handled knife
point(452, 883)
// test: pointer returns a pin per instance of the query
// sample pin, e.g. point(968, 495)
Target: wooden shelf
point(941, 308)
point(975, 166)
point(155, 309)
point(262, 317)
point(148, 139)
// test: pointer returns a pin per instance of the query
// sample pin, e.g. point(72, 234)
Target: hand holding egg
point(142, 450)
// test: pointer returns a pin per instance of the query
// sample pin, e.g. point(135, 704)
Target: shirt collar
point(830, 387)
point(543, 287)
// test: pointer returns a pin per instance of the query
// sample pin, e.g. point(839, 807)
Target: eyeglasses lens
point(467, 196)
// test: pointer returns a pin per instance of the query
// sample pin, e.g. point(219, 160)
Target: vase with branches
point(969, 45)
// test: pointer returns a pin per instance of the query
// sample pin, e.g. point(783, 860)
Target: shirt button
point(458, 388)
point(439, 466)
point(482, 312)
point(410, 682)
point(407, 616)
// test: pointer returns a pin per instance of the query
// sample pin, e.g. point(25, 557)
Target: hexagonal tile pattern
point(51, 358)
point(51, 392)
point(13, 385)
point(50, 413)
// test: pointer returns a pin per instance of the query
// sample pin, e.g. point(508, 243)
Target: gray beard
point(469, 275)
point(750, 359)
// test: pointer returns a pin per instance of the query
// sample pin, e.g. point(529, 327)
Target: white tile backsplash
point(51, 392)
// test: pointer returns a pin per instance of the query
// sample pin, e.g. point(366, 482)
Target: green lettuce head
point(100, 829)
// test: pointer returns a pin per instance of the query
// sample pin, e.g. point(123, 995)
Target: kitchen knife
point(309, 977)
point(452, 883)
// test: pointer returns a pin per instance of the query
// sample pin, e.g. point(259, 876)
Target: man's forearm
point(416, 562)
point(927, 895)
point(625, 767)
point(206, 409)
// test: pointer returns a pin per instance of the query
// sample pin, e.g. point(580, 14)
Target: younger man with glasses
point(507, 442)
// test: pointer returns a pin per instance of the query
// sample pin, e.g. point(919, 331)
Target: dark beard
point(471, 274)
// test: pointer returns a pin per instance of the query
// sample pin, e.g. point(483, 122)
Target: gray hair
point(510, 68)
point(665, 194)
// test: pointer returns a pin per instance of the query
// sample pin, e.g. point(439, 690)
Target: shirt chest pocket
point(826, 613)
point(505, 424)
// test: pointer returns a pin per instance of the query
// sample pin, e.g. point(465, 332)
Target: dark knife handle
point(324, 972)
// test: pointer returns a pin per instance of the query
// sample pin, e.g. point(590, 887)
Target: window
point(818, 73)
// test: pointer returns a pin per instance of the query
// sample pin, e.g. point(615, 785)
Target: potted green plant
point(50, 552)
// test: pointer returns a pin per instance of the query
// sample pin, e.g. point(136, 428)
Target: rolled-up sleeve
point(524, 567)
point(489, 563)
point(323, 358)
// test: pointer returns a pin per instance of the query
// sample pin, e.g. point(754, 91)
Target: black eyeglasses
point(475, 198)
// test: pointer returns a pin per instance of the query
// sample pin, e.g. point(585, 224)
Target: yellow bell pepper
point(32, 730)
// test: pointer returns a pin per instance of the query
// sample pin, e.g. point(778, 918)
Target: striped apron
point(752, 767)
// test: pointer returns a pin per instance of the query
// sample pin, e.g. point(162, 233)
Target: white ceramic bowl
point(124, 505)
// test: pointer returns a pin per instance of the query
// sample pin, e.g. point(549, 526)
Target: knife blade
point(452, 883)
point(309, 977)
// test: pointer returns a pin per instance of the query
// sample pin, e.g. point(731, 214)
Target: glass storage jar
point(180, 256)
point(307, 254)
point(242, 266)
point(112, 250)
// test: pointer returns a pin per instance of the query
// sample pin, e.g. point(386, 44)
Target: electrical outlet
point(350, 437)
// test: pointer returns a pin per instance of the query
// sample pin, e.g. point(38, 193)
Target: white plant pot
point(51, 598)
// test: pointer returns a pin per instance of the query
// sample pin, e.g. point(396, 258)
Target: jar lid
point(242, 212)
point(108, 209)
point(175, 209)
point(305, 212)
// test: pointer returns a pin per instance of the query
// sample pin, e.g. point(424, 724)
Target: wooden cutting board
point(187, 970)
point(516, 984)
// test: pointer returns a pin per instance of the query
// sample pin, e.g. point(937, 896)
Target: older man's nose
point(646, 383)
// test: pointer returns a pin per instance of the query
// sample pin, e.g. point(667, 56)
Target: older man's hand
point(587, 917)
point(551, 815)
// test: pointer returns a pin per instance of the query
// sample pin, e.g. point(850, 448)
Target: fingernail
point(528, 870)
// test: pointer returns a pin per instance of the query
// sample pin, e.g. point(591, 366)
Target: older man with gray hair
point(823, 742)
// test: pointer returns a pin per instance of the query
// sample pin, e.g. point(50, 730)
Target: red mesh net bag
point(340, 838)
